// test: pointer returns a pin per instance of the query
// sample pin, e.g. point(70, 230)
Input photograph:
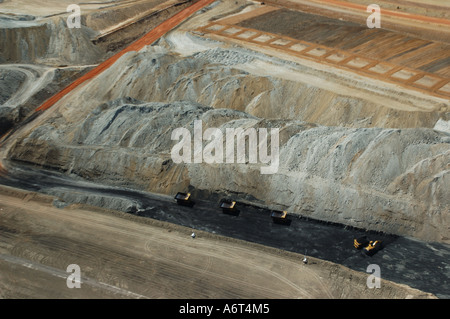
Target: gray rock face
point(118, 130)
point(10, 82)
point(381, 179)
point(49, 43)
point(156, 75)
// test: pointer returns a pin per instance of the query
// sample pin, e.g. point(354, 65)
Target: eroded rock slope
point(117, 130)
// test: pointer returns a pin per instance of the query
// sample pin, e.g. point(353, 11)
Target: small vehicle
point(360, 242)
point(228, 206)
point(372, 247)
point(184, 199)
point(279, 217)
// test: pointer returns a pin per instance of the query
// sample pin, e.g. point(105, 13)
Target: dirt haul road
point(124, 256)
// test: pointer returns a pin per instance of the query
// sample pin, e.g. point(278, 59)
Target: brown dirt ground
point(124, 256)
point(419, 19)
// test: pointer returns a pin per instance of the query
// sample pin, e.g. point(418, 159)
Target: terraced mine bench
point(428, 60)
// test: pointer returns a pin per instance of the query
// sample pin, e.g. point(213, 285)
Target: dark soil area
point(421, 265)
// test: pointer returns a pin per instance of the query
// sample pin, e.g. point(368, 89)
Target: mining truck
point(279, 217)
point(184, 199)
point(228, 206)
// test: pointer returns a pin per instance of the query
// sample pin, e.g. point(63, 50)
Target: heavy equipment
point(228, 206)
point(184, 199)
point(372, 247)
point(369, 247)
point(279, 217)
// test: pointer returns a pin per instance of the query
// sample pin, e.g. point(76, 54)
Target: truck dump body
point(184, 199)
point(280, 217)
point(228, 207)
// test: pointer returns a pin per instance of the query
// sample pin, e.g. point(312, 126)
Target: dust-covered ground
point(123, 256)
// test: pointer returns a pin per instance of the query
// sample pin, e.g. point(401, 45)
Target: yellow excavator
point(373, 247)
point(369, 247)
point(360, 242)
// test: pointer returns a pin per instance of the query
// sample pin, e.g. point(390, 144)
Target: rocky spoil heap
point(156, 75)
point(382, 179)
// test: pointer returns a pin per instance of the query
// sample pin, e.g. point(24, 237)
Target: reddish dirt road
point(147, 39)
